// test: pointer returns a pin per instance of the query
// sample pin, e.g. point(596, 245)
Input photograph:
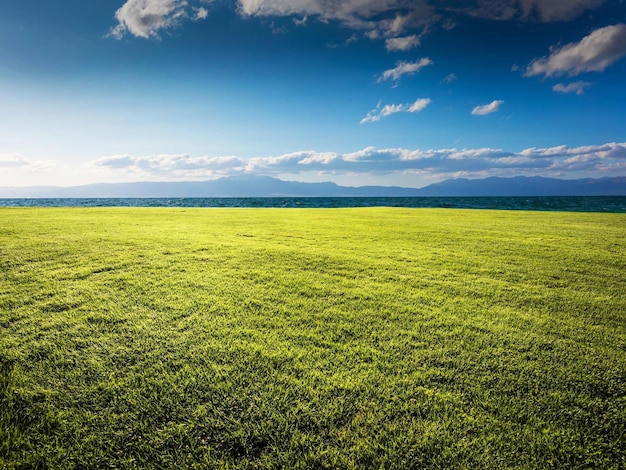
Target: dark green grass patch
point(351, 338)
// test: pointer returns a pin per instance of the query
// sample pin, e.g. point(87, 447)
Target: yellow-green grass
point(305, 338)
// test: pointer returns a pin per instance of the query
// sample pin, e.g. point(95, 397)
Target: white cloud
point(400, 22)
point(12, 160)
point(487, 108)
point(419, 105)
point(359, 154)
point(590, 158)
point(390, 109)
point(316, 157)
point(594, 53)
point(145, 18)
point(351, 39)
point(17, 170)
point(574, 87)
point(604, 159)
point(609, 150)
point(378, 18)
point(379, 112)
point(450, 78)
point(173, 166)
point(201, 13)
point(405, 68)
point(404, 43)
point(359, 14)
point(300, 21)
point(393, 18)
point(374, 115)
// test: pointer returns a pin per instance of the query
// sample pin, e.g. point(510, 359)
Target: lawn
point(306, 338)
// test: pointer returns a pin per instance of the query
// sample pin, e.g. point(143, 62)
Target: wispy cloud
point(403, 43)
point(12, 160)
point(487, 108)
point(14, 164)
point(419, 105)
point(380, 18)
point(380, 111)
point(574, 87)
point(450, 78)
point(555, 161)
point(201, 13)
point(405, 68)
point(594, 53)
point(146, 18)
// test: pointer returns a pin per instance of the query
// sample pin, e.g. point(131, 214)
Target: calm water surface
point(536, 203)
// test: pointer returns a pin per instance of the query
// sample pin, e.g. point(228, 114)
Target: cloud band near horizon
point(609, 158)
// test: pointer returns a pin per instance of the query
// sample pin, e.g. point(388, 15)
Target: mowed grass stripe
point(305, 338)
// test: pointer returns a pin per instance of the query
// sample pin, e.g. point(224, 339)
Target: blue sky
point(393, 92)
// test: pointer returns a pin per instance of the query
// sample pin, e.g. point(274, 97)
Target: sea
point(615, 204)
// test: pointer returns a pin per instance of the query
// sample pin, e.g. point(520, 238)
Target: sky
point(359, 92)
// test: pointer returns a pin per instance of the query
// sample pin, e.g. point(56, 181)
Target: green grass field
point(348, 338)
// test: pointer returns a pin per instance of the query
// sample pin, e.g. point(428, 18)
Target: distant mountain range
point(265, 186)
point(528, 186)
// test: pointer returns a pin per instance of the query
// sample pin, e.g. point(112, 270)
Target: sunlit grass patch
point(349, 338)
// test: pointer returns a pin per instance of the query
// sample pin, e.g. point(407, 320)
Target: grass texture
point(304, 338)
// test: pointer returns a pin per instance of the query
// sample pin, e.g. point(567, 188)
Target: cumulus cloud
point(385, 16)
point(379, 112)
point(590, 158)
point(173, 166)
point(404, 43)
point(294, 162)
point(487, 108)
point(574, 87)
point(145, 18)
point(594, 53)
point(400, 23)
point(481, 161)
point(601, 159)
point(355, 11)
point(395, 16)
point(405, 68)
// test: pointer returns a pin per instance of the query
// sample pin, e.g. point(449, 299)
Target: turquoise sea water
point(536, 203)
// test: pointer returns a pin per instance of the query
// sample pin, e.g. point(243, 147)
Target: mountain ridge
point(266, 186)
